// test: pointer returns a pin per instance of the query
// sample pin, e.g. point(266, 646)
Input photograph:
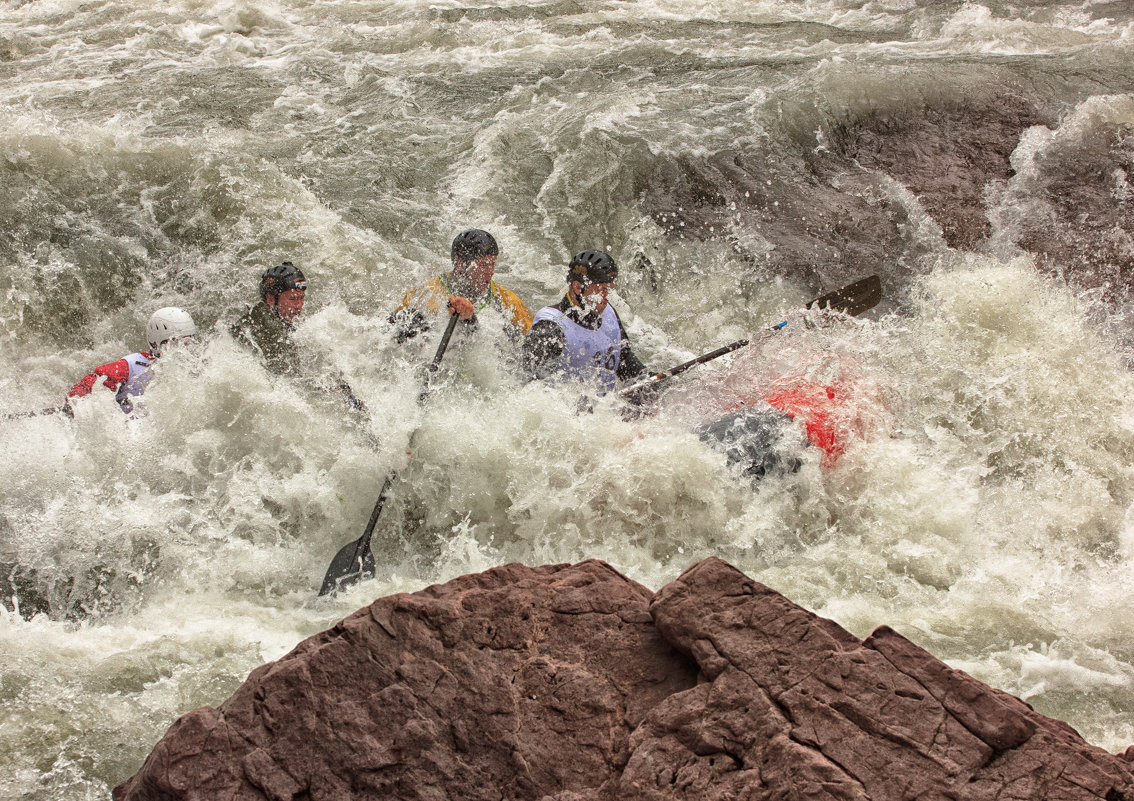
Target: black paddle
point(355, 560)
point(852, 299)
point(51, 410)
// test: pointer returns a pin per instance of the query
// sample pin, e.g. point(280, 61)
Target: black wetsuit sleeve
point(543, 349)
point(630, 366)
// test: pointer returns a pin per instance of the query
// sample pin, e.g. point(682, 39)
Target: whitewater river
point(734, 158)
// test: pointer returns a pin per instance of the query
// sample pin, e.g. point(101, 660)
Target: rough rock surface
point(793, 706)
point(560, 683)
point(518, 682)
point(827, 223)
point(834, 212)
point(1075, 209)
point(948, 157)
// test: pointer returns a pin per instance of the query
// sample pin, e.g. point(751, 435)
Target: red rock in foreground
point(517, 682)
point(795, 707)
point(562, 683)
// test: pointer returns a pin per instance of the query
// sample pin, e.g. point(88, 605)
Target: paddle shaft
point(364, 540)
point(852, 299)
point(360, 554)
point(52, 410)
point(724, 350)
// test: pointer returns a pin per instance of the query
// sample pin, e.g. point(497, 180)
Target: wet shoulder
point(511, 303)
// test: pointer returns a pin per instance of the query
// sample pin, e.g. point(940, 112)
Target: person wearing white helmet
point(127, 377)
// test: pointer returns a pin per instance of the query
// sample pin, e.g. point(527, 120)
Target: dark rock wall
point(825, 210)
point(947, 156)
point(1081, 226)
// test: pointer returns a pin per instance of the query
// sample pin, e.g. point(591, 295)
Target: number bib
point(588, 355)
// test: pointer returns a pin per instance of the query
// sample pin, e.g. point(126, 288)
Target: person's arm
point(543, 349)
point(630, 368)
point(114, 374)
point(414, 314)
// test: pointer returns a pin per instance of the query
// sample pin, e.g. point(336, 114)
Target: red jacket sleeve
point(114, 374)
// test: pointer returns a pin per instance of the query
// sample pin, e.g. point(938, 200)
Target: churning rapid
point(736, 158)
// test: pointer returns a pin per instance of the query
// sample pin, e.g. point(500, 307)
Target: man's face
point(179, 342)
point(288, 304)
point(593, 298)
point(176, 343)
point(476, 273)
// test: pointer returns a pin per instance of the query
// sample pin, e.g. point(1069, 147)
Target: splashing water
point(164, 155)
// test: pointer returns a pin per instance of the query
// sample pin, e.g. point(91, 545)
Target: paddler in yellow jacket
point(466, 289)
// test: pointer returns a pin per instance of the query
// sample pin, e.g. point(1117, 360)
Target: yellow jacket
point(433, 297)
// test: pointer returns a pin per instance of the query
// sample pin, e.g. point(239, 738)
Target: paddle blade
point(349, 567)
point(355, 561)
point(852, 299)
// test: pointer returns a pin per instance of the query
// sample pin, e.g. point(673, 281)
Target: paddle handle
point(852, 299)
point(433, 365)
point(342, 572)
point(364, 540)
point(453, 318)
point(368, 532)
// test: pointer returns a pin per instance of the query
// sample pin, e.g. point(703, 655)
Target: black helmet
point(279, 279)
point(592, 267)
point(473, 244)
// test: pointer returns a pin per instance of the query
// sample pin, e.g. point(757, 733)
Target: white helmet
point(169, 323)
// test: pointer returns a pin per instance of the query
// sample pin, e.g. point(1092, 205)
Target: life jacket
point(135, 383)
point(127, 377)
point(588, 355)
point(432, 297)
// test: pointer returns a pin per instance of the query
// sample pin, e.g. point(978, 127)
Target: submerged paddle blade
point(355, 560)
point(348, 567)
point(852, 299)
point(65, 409)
